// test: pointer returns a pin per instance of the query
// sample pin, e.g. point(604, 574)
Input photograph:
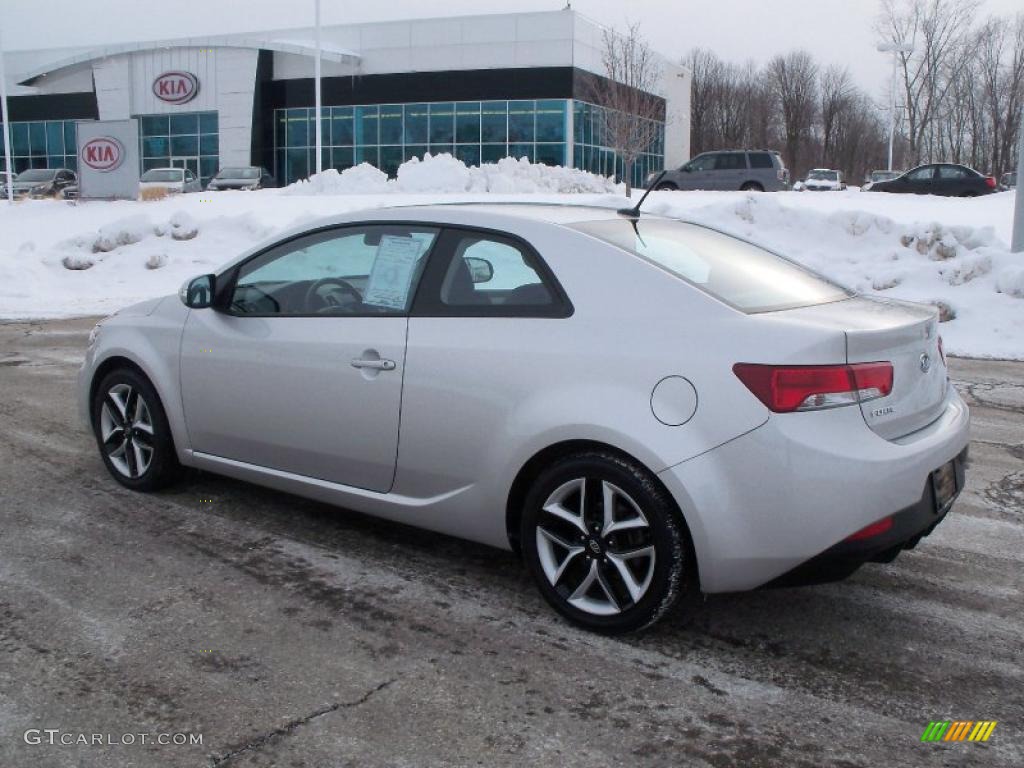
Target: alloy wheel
point(595, 546)
point(126, 430)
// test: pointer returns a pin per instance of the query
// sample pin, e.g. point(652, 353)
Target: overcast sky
point(837, 31)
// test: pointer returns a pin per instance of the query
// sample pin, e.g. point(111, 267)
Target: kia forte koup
point(643, 408)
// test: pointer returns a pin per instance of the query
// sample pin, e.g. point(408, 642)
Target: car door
point(920, 181)
point(299, 366)
point(730, 170)
point(698, 173)
point(951, 180)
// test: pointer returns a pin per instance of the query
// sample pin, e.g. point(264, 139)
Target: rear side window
point(731, 161)
point(760, 160)
point(741, 274)
point(485, 274)
point(951, 172)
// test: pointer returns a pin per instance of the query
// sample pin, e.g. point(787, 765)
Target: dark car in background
point(43, 182)
point(946, 179)
point(1008, 181)
point(752, 170)
point(242, 177)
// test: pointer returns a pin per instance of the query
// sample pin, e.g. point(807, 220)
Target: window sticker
point(391, 278)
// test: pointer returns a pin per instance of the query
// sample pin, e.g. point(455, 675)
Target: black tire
point(669, 577)
point(666, 186)
point(163, 467)
point(969, 193)
point(751, 186)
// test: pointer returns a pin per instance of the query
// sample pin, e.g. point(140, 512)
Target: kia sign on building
point(108, 159)
point(176, 87)
point(103, 154)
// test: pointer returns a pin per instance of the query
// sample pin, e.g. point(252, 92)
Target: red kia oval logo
point(176, 87)
point(103, 153)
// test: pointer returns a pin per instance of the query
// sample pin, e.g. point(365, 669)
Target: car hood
point(234, 182)
point(145, 184)
point(31, 184)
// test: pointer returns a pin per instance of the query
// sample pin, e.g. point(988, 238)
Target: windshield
point(823, 175)
point(738, 273)
point(37, 174)
point(239, 173)
point(162, 174)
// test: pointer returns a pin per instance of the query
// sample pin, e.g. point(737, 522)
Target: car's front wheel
point(604, 543)
point(132, 432)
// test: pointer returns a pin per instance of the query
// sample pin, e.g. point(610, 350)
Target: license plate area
point(944, 486)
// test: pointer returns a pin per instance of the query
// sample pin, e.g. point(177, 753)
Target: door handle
point(379, 365)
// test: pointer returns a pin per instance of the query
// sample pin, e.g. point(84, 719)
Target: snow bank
point(445, 174)
point(58, 259)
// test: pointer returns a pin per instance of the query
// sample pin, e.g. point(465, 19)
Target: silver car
point(643, 408)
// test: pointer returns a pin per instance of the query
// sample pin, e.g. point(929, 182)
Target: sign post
point(108, 159)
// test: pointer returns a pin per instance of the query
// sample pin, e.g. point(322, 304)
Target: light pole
point(895, 49)
point(1017, 243)
point(316, 76)
point(7, 125)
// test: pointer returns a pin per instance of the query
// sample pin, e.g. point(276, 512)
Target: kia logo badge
point(176, 87)
point(103, 154)
point(926, 362)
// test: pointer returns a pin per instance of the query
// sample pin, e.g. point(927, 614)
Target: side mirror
point(197, 293)
point(481, 270)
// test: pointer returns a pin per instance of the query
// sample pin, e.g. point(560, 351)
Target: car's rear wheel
point(605, 543)
point(132, 432)
point(752, 186)
point(666, 186)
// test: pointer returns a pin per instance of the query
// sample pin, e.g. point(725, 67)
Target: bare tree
point(632, 115)
point(836, 91)
point(794, 81)
point(936, 29)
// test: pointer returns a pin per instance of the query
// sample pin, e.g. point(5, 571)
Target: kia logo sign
point(103, 154)
point(176, 87)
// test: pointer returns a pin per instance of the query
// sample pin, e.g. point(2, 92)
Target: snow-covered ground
point(59, 259)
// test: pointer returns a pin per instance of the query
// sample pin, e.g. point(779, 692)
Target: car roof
point(551, 213)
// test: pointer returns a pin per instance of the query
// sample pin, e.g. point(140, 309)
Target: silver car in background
point(644, 408)
point(169, 181)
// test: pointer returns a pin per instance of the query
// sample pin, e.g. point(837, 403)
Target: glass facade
point(181, 140)
point(41, 144)
point(591, 153)
point(386, 135)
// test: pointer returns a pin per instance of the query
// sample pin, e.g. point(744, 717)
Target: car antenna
point(634, 212)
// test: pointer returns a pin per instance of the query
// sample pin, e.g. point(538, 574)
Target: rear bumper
point(778, 497)
point(909, 526)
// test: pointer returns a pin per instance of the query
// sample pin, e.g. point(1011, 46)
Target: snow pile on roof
point(445, 174)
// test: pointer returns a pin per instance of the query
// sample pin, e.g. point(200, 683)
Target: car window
point(364, 270)
point(739, 273)
point(951, 172)
point(482, 274)
point(922, 174)
point(730, 161)
point(760, 160)
point(702, 163)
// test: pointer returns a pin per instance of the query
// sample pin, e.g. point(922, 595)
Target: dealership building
point(480, 87)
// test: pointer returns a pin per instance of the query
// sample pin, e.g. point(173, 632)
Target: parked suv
point(755, 170)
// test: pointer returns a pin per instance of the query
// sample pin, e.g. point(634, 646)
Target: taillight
point(787, 388)
point(990, 181)
point(870, 531)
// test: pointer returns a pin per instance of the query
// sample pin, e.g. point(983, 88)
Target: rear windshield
point(823, 175)
point(162, 174)
point(740, 274)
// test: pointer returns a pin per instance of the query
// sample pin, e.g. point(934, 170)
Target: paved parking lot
point(289, 633)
